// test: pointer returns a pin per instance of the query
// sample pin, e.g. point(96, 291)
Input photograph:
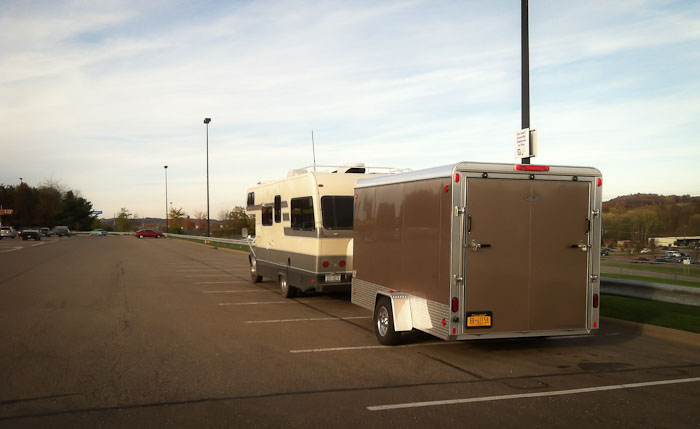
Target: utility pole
point(525, 68)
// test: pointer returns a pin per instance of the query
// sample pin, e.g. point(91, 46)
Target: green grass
point(652, 279)
point(692, 271)
point(675, 316)
point(241, 247)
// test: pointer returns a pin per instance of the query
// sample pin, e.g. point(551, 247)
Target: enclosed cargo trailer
point(479, 250)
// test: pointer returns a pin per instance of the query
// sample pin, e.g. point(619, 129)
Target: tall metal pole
point(166, 198)
point(206, 121)
point(525, 56)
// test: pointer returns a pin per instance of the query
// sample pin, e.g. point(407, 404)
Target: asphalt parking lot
point(117, 331)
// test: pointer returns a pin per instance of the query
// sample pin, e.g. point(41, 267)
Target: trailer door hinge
point(459, 210)
point(596, 213)
point(459, 280)
point(594, 278)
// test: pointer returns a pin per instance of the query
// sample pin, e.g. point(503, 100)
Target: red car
point(148, 233)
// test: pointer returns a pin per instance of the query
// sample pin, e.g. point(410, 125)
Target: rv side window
point(251, 199)
point(337, 212)
point(278, 209)
point(266, 216)
point(302, 213)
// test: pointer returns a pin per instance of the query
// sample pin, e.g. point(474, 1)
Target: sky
point(100, 96)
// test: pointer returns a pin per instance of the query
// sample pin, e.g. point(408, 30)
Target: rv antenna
point(313, 148)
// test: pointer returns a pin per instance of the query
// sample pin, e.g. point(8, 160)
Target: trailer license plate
point(479, 321)
point(332, 278)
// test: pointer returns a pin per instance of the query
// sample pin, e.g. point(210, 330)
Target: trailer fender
point(400, 310)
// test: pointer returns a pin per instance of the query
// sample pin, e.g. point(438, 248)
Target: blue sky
point(99, 96)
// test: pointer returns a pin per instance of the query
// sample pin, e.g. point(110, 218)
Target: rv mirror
point(244, 232)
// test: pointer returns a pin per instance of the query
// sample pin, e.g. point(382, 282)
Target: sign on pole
point(526, 143)
point(96, 212)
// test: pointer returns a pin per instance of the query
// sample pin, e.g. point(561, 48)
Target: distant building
point(692, 241)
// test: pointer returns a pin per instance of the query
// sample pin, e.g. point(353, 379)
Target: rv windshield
point(337, 212)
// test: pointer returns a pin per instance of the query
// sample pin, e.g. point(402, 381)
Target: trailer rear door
point(526, 255)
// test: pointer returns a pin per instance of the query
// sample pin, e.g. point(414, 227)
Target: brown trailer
point(476, 250)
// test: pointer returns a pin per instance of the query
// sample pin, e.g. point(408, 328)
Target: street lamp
point(206, 121)
point(166, 198)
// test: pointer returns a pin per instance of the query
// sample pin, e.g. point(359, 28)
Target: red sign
point(6, 211)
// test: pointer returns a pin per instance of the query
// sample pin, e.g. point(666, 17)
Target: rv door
point(526, 255)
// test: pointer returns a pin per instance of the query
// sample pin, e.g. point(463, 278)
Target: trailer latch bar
point(476, 246)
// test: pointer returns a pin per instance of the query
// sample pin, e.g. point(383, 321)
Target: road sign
point(96, 212)
point(6, 211)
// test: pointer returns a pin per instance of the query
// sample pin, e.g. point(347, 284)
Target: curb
point(211, 246)
point(653, 331)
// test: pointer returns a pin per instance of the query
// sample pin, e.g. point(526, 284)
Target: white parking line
point(236, 291)
point(38, 244)
point(212, 275)
point(308, 319)
point(218, 283)
point(255, 303)
point(341, 349)
point(532, 395)
point(210, 270)
point(14, 249)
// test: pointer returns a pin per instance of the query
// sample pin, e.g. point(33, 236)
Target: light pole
point(206, 121)
point(166, 199)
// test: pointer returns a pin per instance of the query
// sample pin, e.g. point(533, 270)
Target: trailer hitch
point(476, 246)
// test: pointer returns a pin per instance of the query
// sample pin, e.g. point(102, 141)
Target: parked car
point(604, 252)
point(98, 231)
point(685, 260)
point(31, 232)
point(663, 260)
point(141, 233)
point(646, 250)
point(672, 254)
point(46, 232)
point(8, 231)
point(61, 231)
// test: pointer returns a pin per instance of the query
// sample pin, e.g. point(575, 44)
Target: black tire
point(384, 323)
point(288, 291)
point(254, 277)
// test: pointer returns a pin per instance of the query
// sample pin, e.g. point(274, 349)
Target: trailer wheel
point(288, 291)
point(384, 323)
point(254, 277)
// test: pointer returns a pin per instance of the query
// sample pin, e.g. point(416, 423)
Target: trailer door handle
point(476, 246)
point(581, 245)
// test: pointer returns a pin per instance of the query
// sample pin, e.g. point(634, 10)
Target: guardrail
point(686, 295)
point(240, 242)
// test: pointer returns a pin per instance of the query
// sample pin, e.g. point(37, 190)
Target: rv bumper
point(336, 282)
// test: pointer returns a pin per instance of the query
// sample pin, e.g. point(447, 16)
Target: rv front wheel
point(288, 291)
point(254, 277)
point(384, 323)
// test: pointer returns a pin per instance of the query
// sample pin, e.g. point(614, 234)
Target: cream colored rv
point(303, 228)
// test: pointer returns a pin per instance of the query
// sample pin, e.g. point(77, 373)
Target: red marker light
point(455, 304)
point(444, 322)
point(325, 264)
point(320, 185)
point(595, 300)
point(457, 177)
point(341, 263)
point(529, 167)
point(595, 324)
point(447, 188)
point(600, 182)
point(454, 330)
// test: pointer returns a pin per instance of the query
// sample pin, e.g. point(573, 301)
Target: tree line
point(640, 217)
point(45, 206)
point(229, 223)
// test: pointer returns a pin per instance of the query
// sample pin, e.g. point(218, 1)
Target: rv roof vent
point(297, 172)
point(355, 168)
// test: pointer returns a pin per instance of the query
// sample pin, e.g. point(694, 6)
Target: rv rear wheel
point(288, 291)
point(384, 323)
point(254, 277)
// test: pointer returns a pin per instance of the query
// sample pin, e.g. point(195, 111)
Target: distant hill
point(631, 202)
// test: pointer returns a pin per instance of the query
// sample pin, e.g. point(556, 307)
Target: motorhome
point(479, 250)
point(303, 228)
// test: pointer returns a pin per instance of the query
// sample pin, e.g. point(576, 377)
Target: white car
point(8, 231)
point(645, 250)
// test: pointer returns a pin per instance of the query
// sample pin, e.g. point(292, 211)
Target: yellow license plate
point(478, 321)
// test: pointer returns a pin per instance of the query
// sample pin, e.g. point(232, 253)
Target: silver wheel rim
point(283, 285)
point(253, 271)
point(382, 321)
